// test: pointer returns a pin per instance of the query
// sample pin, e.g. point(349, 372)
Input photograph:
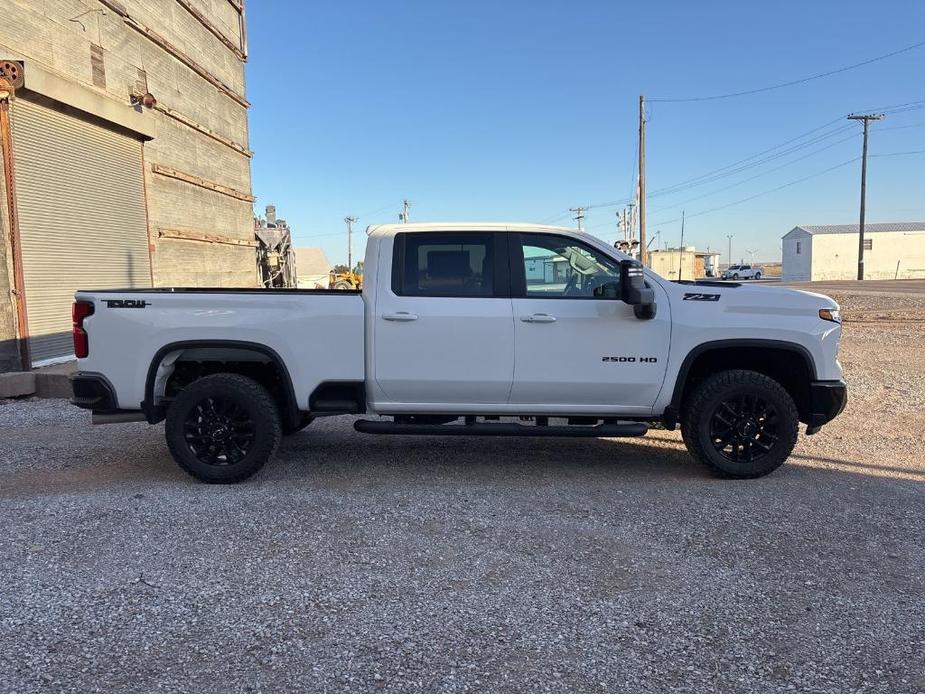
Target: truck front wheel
point(740, 424)
point(223, 428)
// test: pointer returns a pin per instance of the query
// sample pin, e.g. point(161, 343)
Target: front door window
point(559, 267)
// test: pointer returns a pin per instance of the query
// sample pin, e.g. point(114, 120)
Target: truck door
point(443, 325)
point(571, 348)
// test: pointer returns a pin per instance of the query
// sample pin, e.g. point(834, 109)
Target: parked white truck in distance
point(743, 272)
point(457, 327)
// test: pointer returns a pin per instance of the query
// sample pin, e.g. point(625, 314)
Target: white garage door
point(81, 199)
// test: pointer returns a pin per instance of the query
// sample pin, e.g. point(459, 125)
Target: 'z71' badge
point(701, 297)
point(126, 303)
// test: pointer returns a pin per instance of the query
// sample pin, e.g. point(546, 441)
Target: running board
point(368, 426)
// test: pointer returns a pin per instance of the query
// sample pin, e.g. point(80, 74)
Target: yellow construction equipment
point(345, 280)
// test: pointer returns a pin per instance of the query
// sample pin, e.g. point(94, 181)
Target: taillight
point(79, 311)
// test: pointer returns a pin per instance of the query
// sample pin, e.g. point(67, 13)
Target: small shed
point(893, 250)
point(686, 264)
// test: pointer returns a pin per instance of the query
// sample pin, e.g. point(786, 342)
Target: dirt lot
point(385, 564)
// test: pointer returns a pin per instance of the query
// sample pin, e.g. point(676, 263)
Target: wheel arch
point(155, 412)
point(789, 363)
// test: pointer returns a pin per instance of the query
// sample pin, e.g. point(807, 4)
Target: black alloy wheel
point(744, 428)
point(218, 431)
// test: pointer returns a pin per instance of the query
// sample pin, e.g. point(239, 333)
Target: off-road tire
point(304, 420)
point(735, 276)
point(249, 398)
point(707, 400)
point(757, 275)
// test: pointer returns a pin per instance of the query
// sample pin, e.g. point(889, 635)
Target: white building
point(830, 252)
point(312, 268)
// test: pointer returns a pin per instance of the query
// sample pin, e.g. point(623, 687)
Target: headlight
point(830, 314)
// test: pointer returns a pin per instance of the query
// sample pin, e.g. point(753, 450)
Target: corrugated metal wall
point(82, 218)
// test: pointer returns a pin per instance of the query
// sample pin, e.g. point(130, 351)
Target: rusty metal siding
point(83, 222)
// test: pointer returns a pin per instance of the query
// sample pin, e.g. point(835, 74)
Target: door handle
point(401, 316)
point(538, 318)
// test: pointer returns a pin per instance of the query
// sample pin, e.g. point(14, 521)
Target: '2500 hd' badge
point(126, 303)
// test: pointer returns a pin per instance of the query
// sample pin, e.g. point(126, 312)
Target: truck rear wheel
point(740, 424)
point(223, 428)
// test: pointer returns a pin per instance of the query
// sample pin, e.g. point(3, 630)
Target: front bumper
point(827, 400)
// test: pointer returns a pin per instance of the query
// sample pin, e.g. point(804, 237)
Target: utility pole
point(350, 222)
point(681, 248)
point(579, 216)
point(729, 236)
point(866, 119)
point(643, 251)
point(405, 215)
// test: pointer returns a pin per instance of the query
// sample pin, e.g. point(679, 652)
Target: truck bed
point(317, 333)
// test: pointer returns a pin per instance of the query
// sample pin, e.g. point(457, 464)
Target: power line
point(896, 108)
point(792, 83)
point(747, 162)
point(899, 154)
point(765, 192)
point(902, 127)
point(725, 172)
point(774, 190)
point(853, 136)
point(376, 211)
point(555, 218)
point(742, 164)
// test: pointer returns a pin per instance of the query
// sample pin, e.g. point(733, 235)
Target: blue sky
point(518, 110)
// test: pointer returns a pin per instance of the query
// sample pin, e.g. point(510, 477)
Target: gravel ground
point(386, 564)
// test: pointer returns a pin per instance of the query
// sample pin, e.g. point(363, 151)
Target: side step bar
point(368, 426)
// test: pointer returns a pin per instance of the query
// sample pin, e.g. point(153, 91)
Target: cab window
point(558, 267)
point(444, 264)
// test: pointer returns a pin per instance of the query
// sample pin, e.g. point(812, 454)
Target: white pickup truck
point(742, 272)
point(467, 329)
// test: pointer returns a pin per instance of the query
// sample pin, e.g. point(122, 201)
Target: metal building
point(123, 128)
point(830, 252)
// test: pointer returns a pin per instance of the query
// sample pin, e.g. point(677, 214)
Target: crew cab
point(467, 330)
point(742, 272)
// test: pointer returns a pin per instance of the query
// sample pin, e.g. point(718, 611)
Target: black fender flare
point(704, 347)
point(155, 413)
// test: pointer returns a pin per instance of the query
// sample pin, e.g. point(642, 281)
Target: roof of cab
point(389, 229)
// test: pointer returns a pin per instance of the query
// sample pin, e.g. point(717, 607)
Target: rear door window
point(445, 264)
